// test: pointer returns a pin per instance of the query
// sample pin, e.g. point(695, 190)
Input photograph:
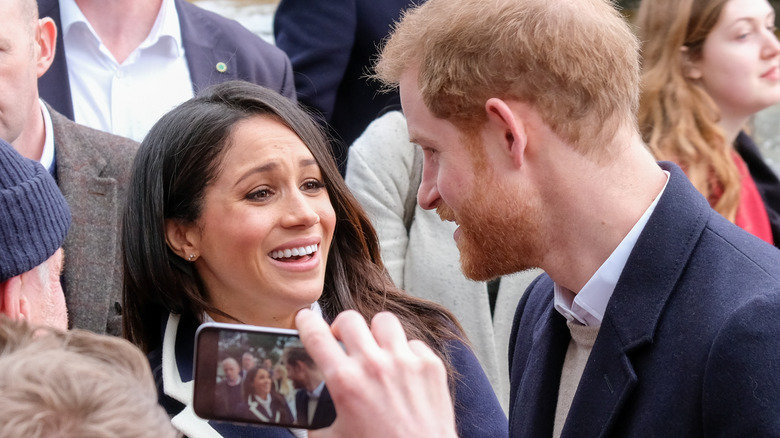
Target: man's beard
point(498, 235)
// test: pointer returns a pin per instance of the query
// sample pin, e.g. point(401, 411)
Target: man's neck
point(595, 205)
point(312, 382)
point(31, 140)
point(122, 25)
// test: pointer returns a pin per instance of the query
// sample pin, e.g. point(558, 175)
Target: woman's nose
point(300, 211)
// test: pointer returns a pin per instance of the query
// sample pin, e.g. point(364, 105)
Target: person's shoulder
point(478, 411)
point(732, 245)
point(68, 130)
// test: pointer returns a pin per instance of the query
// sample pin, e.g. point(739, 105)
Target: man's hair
point(231, 360)
point(75, 384)
point(575, 61)
point(297, 354)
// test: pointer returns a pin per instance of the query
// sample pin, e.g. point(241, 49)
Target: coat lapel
point(208, 60)
point(93, 237)
point(533, 410)
point(646, 284)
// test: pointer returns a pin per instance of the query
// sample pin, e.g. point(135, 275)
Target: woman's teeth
point(294, 252)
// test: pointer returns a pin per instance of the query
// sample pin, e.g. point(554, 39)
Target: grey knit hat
point(34, 217)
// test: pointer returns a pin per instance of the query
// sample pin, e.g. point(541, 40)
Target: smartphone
point(259, 375)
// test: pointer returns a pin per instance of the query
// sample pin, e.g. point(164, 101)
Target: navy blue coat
point(208, 38)
point(324, 413)
point(332, 45)
point(690, 341)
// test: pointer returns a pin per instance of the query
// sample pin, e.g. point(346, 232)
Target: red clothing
point(751, 212)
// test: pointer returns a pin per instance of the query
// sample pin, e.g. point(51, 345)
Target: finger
point(323, 433)
point(351, 328)
point(388, 332)
point(424, 352)
point(318, 340)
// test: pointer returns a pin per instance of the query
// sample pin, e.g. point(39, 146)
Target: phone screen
point(260, 375)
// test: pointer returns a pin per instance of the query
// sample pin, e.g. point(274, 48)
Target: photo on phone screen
point(261, 375)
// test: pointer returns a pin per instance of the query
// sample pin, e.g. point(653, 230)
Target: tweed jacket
point(93, 172)
point(689, 344)
point(425, 262)
point(208, 39)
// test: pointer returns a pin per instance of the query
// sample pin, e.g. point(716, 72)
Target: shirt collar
point(317, 391)
point(166, 26)
point(47, 157)
point(588, 306)
point(70, 14)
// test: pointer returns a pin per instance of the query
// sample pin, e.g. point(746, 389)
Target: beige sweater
point(582, 340)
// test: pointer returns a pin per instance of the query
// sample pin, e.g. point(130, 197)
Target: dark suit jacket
point(332, 45)
point(690, 341)
point(323, 415)
point(93, 172)
point(208, 38)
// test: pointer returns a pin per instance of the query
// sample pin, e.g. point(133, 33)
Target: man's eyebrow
point(419, 140)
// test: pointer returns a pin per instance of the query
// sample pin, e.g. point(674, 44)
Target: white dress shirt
point(47, 157)
point(588, 306)
point(128, 98)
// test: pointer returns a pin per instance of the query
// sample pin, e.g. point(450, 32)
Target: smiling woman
point(237, 213)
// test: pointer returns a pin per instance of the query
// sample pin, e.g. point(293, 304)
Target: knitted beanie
point(34, 217)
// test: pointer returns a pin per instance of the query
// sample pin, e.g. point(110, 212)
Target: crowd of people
point(521, 218)
point(289, 392)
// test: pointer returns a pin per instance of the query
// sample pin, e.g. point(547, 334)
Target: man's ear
point(182, 239)
point(13, 303)
point(510, 129)
point(46, 40)
point(690, 68)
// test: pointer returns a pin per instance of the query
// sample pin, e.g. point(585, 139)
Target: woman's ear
point(690, 68)
point(182, 239)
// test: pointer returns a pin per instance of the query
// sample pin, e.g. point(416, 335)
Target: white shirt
point(125, 99)
point(47, 156)
point(588, 306)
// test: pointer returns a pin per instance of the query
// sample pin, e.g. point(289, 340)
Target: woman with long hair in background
point(707, 67)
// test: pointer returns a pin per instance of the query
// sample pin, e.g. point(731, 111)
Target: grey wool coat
point(93, 172)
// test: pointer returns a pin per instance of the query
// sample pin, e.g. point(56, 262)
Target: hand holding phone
point(259, 375)
point(386, 386)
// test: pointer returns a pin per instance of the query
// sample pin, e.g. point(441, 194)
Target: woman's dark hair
point(180, 156)
point(248, 385)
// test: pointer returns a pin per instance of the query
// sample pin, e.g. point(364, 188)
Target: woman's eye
point(259, 195)
point(312, 185)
